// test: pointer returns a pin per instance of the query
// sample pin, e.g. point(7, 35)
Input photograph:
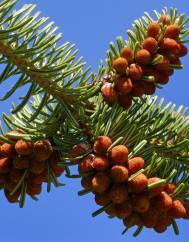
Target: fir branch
point(29, 45)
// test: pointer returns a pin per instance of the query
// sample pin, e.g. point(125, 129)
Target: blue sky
point(61, 215)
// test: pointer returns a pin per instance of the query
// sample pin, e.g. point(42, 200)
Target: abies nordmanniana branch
point(131, 150)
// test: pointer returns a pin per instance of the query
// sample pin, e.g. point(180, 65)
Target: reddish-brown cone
point(42, 150)
point(124, 85)
point(120, 65)
point(139, 183)
point(109, 92)
point(150, 44)
point(154, 30)
point(23, 148)
point(100, 163)
point(143, 57)
point(177, 210)
point(100, 182)
point(102, 144)
point(169, 46)
point(119, 154)
point(119, 173)
point(172, 31)
point(127, 53)
point(86, 165)
point(135, 164)
point(135, 72)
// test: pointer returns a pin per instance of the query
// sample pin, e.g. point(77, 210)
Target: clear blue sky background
point(61, 215)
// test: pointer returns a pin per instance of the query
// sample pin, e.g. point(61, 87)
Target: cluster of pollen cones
point(26, 163)
point(140, 72)
point(124, 191)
